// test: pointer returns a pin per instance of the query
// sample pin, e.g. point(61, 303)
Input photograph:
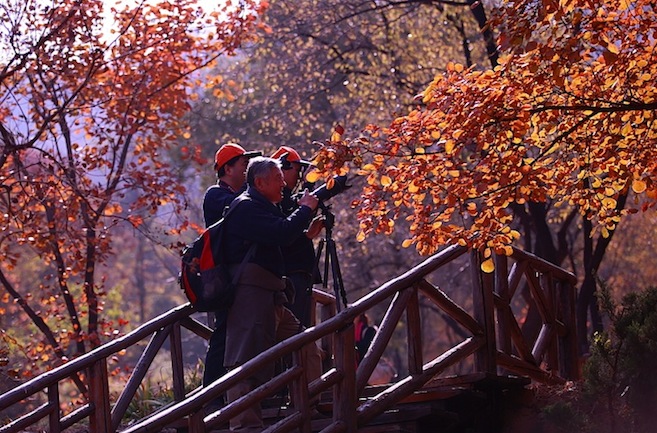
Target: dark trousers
point(214, 358)
point(303, 292)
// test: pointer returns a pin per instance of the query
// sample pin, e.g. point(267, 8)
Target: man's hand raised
point(308, 200)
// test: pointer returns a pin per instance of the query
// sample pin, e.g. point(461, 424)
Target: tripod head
point(329, 217)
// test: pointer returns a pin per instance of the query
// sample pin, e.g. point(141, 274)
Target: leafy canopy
point(566, 116)
point(86, 119)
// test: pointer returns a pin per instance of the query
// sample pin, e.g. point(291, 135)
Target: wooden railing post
point(568, 353)
point(344, 393)
point(177, 363)
point(100, 419)
point(414, 334)
point(482, 304)
point(53, 399)
point(504, 315)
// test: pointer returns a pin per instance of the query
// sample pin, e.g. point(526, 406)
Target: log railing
point(493, 344)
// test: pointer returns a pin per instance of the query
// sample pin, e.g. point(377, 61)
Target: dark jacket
point(215, 201)
point(300, 254)
point(258, 220)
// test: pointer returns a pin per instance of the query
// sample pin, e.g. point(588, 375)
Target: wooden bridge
point(493, 350)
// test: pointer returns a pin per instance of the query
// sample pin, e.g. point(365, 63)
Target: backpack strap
point(229, 209)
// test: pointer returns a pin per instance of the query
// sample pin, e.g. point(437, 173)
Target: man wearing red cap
point(230, 163)
point(300, 254)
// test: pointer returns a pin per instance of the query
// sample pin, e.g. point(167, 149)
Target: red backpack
point(204, 275)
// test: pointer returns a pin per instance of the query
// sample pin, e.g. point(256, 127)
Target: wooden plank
point(539, 297)
point(523, 368)
point(382, 337)
point(19, 424)
point(197, 327)
point(53, 399)
point(483, 305)
point(515, 276)
point(414, 333)
point(543, 265)
point(452, 309)
point(344, 393)
point(399, 390)
point(519, 340)
point(85, 361)
point(543, 342)
point(177, 366)
point(299, 392)
point(503, 313)
point(100, 420)
point(137, 375)
point(568, 352)
point(551, 352)
point(76, 416)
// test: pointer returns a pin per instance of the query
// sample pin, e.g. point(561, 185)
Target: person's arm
point(264, 225)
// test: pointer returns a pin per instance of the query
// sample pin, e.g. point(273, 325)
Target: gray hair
point(259, 167)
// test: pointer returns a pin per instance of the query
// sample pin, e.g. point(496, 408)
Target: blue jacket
point(255, 219)
point(215, 201)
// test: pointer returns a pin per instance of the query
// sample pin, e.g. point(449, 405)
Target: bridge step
point(439, 407)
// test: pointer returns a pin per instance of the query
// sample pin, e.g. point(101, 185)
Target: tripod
point(331, 258)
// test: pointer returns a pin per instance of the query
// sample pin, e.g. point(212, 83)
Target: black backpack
point(204, 275)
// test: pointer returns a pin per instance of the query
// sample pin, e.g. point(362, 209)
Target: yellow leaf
point(449, 147)
point(488, 266)
point(360, 237)
point(386, 181)
point(638, 186)
point(412, 188)
point(312, 176)
point(407, 243)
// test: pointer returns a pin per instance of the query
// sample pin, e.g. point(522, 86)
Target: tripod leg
point(318, 255)
point(338, 284)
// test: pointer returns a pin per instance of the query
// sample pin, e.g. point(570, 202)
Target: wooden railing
point(493, 344)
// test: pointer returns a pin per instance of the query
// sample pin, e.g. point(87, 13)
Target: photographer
point(299, 256)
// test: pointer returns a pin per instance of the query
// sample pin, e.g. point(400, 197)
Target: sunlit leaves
point(567, 116)
point(87, 118)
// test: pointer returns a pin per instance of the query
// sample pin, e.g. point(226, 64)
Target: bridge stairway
point(471, 403)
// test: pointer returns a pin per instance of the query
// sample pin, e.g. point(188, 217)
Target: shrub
point(622, 364)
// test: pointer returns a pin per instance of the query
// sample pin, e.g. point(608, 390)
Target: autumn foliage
point(567, 116)
point(92, 99)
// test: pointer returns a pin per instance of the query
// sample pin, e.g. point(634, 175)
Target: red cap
point(292, 155)
point(229, 151)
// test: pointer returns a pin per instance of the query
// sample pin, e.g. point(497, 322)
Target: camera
point(324, 193)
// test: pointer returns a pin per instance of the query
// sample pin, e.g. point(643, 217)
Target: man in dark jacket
point(300, 254)
point(257, 319)
point(230, 165)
